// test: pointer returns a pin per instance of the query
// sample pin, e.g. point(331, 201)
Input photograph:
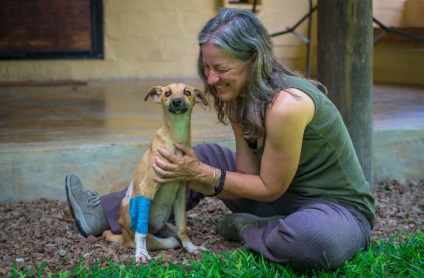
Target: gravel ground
point(32, 233)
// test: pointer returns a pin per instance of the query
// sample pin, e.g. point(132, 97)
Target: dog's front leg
point(141, 253)
point(180, 221)
point(139, 212)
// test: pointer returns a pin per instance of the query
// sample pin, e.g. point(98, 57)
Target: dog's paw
point(141, 253)
point(142, 258)
point(111, 237)
point(191, 248)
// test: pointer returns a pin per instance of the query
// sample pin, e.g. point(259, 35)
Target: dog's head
point(177, 98)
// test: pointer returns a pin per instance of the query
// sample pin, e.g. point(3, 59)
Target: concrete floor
point(100, 130)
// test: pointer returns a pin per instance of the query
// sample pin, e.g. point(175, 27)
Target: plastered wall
point(156, 39)
point(399, 62)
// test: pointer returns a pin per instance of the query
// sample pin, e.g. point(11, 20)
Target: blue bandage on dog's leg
point(139, 212)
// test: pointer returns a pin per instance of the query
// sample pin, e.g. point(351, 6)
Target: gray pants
point(316, 234)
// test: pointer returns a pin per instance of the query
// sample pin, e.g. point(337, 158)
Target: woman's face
point(226, 73)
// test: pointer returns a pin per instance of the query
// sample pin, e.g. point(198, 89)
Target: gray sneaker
point(85, 208)
point(230, 226)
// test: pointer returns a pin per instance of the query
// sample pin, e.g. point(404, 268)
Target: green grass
point(402, 256)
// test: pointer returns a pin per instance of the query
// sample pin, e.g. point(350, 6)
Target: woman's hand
point(171, 167)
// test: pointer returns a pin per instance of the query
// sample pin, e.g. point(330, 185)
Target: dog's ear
point(154, 92)
point(200, 97)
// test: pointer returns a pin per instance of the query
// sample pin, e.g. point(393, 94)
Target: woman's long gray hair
point(240, 34)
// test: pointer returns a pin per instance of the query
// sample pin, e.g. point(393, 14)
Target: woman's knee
point(313, 246)
point(306, 250)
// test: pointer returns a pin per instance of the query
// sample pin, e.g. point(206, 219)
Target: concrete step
point(100, 131)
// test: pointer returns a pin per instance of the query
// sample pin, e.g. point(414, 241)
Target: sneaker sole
point(82, 226)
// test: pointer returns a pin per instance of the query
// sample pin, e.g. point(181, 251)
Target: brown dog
point(143, 193)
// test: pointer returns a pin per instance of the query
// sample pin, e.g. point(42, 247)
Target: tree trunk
point(345, 45)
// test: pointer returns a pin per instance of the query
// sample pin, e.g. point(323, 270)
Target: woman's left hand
point(171, 167)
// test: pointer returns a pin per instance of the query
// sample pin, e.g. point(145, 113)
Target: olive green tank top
point(328, 167)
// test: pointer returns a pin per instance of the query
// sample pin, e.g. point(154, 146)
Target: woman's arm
point(285, 123)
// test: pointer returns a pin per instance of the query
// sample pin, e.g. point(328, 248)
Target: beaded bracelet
point(221, 183)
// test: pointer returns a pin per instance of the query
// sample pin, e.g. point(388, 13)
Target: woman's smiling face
point(226, 73)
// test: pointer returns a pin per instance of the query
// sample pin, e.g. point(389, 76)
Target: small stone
point(402, 214)
point(88, 254)
point(211, 208)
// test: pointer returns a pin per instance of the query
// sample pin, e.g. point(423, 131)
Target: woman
point(295, 186)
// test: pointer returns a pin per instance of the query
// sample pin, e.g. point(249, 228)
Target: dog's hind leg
point(111, 237)
point(158, 243)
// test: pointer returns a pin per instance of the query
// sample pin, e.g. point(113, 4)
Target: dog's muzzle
point(177, 106)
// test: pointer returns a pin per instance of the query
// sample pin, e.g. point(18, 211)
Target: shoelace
point(94, 199)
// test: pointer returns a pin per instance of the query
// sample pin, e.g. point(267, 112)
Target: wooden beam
point(345, 44)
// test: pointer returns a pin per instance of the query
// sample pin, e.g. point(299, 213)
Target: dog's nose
point(177, 102)
point(178, 106)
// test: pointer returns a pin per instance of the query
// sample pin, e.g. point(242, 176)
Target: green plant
point(395, 258)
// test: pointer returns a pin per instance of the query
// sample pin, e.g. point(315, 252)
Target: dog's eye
point(187, 92)
point(168, 93)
